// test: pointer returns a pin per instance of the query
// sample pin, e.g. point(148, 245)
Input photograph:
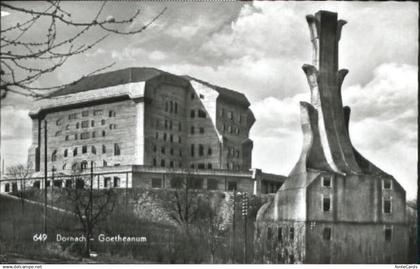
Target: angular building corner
point(335, 206)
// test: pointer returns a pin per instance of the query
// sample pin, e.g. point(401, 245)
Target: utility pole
point(245, 214)
point(45, 175)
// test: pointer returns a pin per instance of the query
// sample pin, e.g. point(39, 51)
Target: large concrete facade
point(142, 116)
point(335, 206)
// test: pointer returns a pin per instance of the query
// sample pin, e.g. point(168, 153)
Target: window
point(326, 181)
point(102, 122)
point(68, 183)
point(104, 163)
point(201, 166)
point(84, 149)
point(201, 130)
point(176, 108)
point(97, 112)
point(92, 123)
point(179, 139)
point(112, 126)
point(291, 233)
point(162, 150)
point(269, 233)
point(387, 206)
point(84, 135)
point(171, 107)
point(166, 124)
point(85, 124)
point(73, 116)
point(103, 149)
point(67, 138)
point(192, 131)
point(192, 114)
point(201, 113)
point(84, 165)
point(232, 186)
point(7, 187)
point(200, 150)
point(237, 154)
point(209, 166)
point(211, 184)
point(192, 150)
point(85, 113)
point(77, 125)
point(107, 182)
point(57, 133)
point(164, 136)
point(93, 134)
point(156, 183)
point(68, 127)
point(171, 151)
point(162, 163)
point(201, 96)
point(59, 122)
point(103, 133)
point(64, 166)
point(65, 153)
point(388, 234)
point(292, 258)
point(111, 114)
point(117, 149)
point(171, 138)
point(326, 204)
point(326, 233)
point(209, 151)
point(176, 182)
point(192, 96)
point(230, 129)
point(154, 162)
point(37, 184)
point(75, 152)
point(387, 184)
point(171, 164)
point(93, 149)
point(54, 156)
point(195, 183)
point(279, 234)
point(117, 182)
point(75, 136)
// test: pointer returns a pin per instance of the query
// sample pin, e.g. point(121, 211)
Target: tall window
point(176, 108)
point(201, 130)
point(192, 150)
point(327, 233)
point(171, 106)
point(65, 152)
point(200, 150)
point(111, 114)
point(388, 233)
point(326, 181)
point(117, 182)
point(162, 163)
point(103, 149)
point(75, 152)
point(292, 233)
point(85, 124)
point(117, 149)
point(269, 233)
point(326, 204)
point(279, 234)
point(54, 156)
point(201, 113)
point(93, 149)
point(387, 206)
point(85, 113)
point(387, 184)
point(192, 114)
point(192, 131)
point(84, 149)
point(84, 165)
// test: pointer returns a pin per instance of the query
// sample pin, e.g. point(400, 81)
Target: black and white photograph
point(209, 132)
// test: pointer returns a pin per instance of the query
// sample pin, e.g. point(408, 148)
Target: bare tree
point(90, 206)
point(24, 60)
point(21, 173)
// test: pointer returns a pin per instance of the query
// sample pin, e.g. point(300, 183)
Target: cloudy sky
point(258, 49)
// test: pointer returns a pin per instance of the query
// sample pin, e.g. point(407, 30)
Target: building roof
point(226, 93)
point(109, 79)
point(136, 74)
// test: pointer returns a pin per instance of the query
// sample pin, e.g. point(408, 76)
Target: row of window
point(386, 205)
point(97, 112)
point(83, 136)
point(163, 150)
point(201, 150)
point(200, 113)
point(193, 129)
point(230, 129)
point(232, 152)
point(238, 118)
point(233, 166)
point(163, 163)
point(193, 183)
point(117, 151)
point(168, 137)
point(171, 107)
point(85, 124)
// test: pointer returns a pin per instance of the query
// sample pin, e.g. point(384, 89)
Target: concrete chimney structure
point(335, 206)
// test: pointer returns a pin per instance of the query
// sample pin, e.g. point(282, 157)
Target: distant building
point(144, 117)
point(335, 206)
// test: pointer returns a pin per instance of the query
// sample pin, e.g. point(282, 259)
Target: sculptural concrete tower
point(335, 206)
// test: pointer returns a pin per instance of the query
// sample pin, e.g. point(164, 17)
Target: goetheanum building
point(143, 127)
point(335, 206)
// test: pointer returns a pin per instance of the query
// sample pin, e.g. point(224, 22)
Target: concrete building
point(335, 206)
point(144, 117)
